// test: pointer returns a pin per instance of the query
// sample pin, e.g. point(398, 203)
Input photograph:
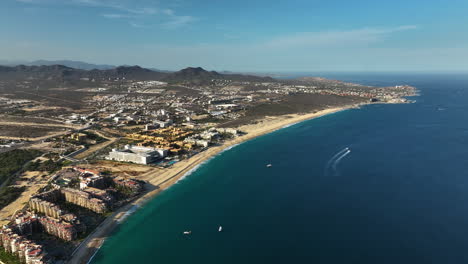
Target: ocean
point(380, 184)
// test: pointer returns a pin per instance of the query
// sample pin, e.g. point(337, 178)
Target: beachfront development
point(82, 149)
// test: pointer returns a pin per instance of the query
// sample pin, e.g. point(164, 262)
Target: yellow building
point(78, 136)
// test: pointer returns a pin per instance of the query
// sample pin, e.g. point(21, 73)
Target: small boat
point(220, 229)
point(187, 232)
point(269, 165)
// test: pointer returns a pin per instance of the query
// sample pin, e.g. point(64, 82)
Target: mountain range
point(69, 63)
point(70, 75)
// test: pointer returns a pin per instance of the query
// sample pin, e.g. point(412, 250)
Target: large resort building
point(139, 155)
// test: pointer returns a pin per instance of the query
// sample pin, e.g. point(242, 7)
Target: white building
point(163, 124)
point(197, 142)
point(135, 154)
point(232, 131)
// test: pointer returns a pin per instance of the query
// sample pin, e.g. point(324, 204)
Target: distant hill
point(193, 74)
point(11, 63)
point(69, 75)
point(200, 75)
point(69, 63)
point(63, 73)
point(72, 64)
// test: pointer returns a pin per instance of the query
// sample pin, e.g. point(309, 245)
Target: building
point(84, 199)
point(139, 155)
point(58, 228)
point(231, 131)
point(134, 185)
point(45, 207)
point(45, 202)
point(25, 224)
point(87, 171)
point(150, 127)
point(89, 180)
point(163, 124)
point(28, 251)
point(78, 136)
point(104, 195)
point(197, 142)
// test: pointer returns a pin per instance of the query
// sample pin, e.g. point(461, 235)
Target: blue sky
point(255, 35)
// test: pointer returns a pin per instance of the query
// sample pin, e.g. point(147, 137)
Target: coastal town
point(77, 152)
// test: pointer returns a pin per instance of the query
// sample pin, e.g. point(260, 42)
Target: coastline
point(89, 247)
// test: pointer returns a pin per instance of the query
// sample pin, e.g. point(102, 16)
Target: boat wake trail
point(335, 160)
point(339, 159)
point(330, 162)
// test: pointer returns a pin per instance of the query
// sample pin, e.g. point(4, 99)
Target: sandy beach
point(167, 177)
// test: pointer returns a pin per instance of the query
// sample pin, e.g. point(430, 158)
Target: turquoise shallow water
point(399, 196)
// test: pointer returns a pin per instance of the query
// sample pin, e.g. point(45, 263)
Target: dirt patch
point(19, 131)
point(120, 169)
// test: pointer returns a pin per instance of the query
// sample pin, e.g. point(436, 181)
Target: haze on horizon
point(256, 35)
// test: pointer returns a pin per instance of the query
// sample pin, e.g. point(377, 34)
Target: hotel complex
point(139, 155)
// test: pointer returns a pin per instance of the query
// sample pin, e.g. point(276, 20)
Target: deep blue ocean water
point(399, 196)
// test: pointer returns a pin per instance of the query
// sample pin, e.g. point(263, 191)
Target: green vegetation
point(48, 165)
point(93, 136)
point(8, 257)
point(210, 119)
point(13, 161)
point(18, 112)
point(124, 192)
point(226, 136)
point(88, 141)
point(9, 194)
point(74, 183)
point(89, 218)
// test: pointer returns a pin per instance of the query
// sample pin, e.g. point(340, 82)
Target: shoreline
point(86, 251)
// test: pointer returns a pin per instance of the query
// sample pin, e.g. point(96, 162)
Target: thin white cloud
point(120, 6)
point(178, 21)
point(127, 9)
point(116, 16)
point(332, 38)
point(137, 25)
point(168, 12)
point(230, 36)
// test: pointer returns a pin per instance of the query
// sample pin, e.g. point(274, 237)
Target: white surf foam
point(128, 213)
point(292, 124)
point(192, 170)
point(228, 148)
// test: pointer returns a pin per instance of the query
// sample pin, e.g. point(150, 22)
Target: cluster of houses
point(44, 213)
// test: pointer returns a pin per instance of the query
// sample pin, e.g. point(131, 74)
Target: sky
point(241, 35)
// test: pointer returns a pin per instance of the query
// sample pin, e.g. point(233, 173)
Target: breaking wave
point(128, 213)
point(192, 170)
point(292, 124)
